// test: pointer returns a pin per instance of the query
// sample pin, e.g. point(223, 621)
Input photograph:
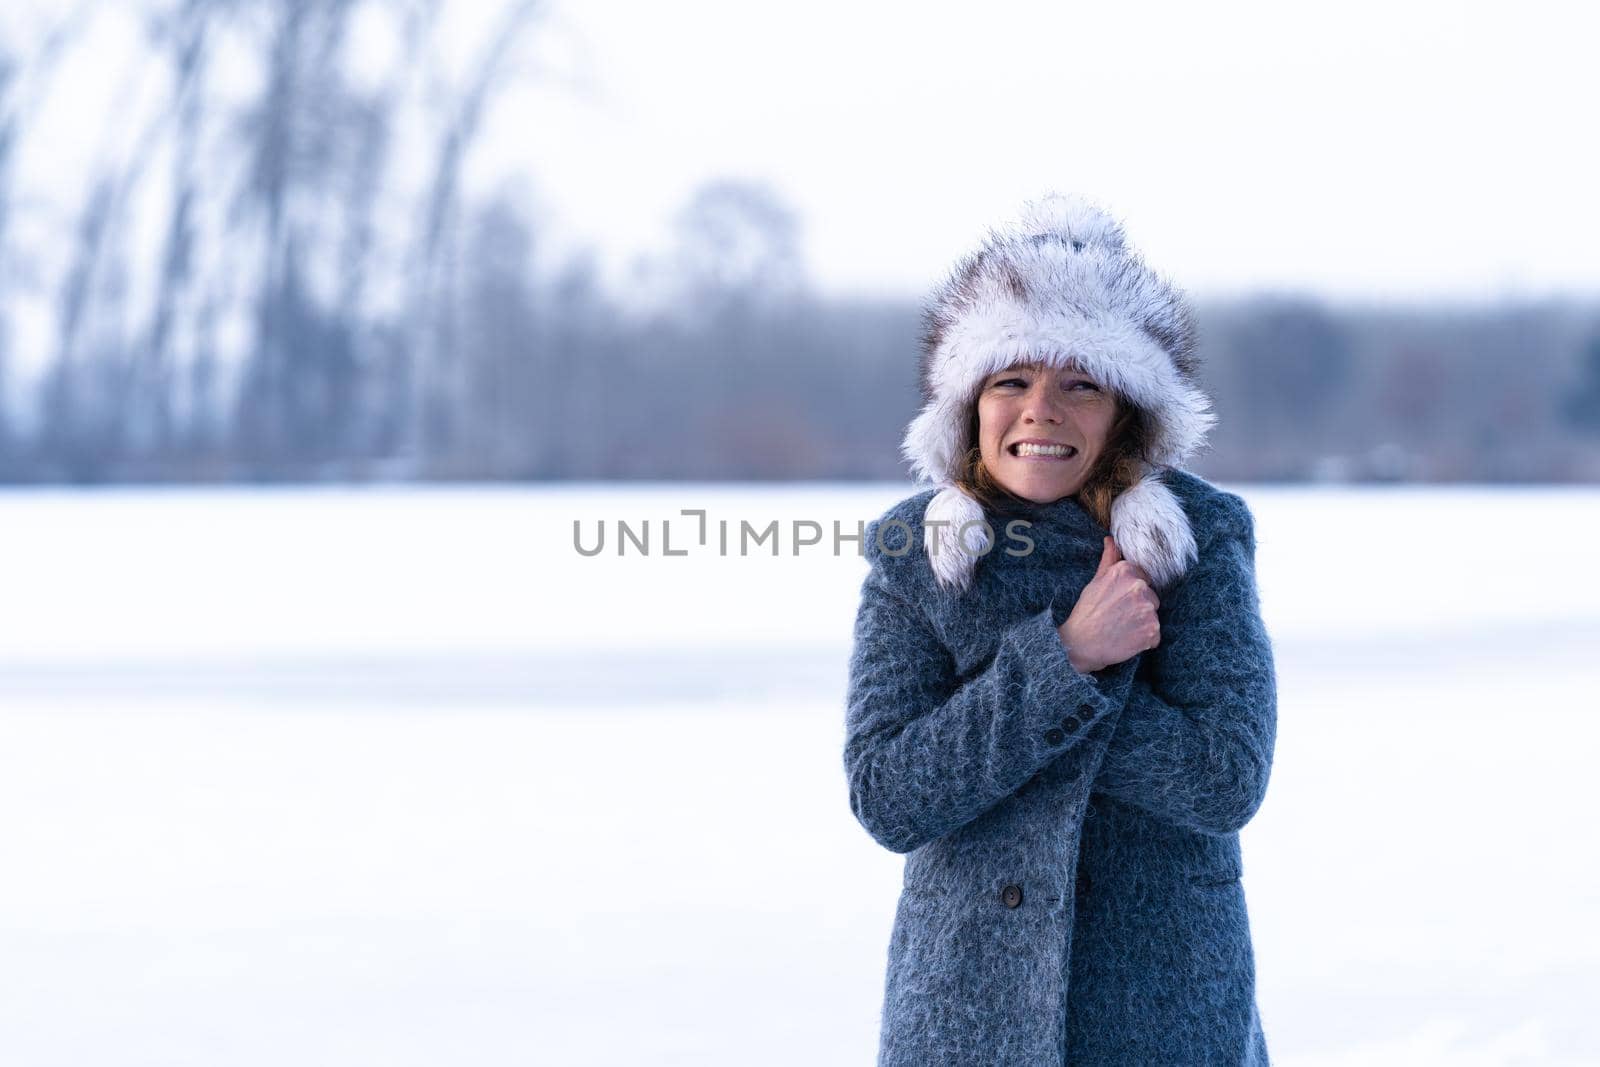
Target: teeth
point(1045, 450)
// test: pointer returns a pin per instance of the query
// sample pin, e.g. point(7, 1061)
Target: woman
point(1062, 701)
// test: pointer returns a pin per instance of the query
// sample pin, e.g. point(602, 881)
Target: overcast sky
point(1360, 150)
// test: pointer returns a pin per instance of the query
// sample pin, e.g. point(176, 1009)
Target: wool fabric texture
point(1072, 890)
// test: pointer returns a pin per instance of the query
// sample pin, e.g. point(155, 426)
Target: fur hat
point(1061, 287)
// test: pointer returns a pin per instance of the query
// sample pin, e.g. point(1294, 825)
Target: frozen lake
point(399, 777)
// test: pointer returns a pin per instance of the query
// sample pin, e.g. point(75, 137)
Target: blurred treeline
point(279, 276)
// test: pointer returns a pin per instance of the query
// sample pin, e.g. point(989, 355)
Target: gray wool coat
point(1072, 889)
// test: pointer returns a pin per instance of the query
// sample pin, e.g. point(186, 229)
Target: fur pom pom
point(952, 555)
point(1152, 530)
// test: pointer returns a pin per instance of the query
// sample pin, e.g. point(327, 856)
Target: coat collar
point(1066, 512)
point(1061, 522)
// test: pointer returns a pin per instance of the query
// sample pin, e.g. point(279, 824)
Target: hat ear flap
point(1152, 530)
point(935, 441)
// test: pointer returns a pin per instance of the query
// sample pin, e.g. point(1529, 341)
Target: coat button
point(1070, 724)
point(1086, 710)
point(1011, 896)
point(1054, 736)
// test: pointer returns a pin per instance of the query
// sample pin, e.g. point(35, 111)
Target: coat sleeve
point(925, 752)
point(1194, 742)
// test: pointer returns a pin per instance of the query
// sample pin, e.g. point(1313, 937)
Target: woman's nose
point(1043, 404)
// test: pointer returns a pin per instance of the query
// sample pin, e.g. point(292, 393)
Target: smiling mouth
point(1023, 450)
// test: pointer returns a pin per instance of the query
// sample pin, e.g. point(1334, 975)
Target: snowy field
point(397, 777)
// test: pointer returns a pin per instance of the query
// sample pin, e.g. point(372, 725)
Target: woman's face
point(1063, 410)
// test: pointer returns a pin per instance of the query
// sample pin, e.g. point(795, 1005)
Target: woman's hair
point(1120, 465)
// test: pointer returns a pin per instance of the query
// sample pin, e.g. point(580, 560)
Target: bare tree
point(436, 380)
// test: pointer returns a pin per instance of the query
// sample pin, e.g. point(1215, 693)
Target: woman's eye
point(1070, 385)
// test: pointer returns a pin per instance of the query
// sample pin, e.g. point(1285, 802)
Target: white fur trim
point(952, 556)
point(1115, 354)
point(936, 441)
point(1151, 530)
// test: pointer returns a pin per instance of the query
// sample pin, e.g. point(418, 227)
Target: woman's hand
point(1114, 618)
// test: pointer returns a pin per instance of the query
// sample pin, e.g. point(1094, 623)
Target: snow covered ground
point(397, 776)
